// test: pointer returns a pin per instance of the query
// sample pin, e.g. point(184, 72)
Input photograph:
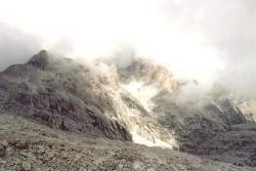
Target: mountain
point(54, 109)
point(58, 94)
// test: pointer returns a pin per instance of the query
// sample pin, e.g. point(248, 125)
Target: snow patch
point(138, 139)
point(142, 92)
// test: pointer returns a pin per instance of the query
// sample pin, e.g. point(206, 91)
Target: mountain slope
point(62, 98)
point(140, 102)
point(63, 94)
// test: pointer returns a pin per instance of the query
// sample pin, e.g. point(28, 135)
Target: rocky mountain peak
point(147, 71)
point(40, 60)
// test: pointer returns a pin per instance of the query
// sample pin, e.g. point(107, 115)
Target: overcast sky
point(204, 39)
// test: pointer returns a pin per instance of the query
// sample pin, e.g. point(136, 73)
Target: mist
point(228, 27)
point(209, 41)
point(16, 46)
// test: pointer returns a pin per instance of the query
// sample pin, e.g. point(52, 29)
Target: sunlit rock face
point(148, 72)
point(138, 82)
point(248, 108)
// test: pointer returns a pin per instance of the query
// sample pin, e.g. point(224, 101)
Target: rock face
point(149, 72)
point(51, 91)
point(217, 126)
point(139, 102)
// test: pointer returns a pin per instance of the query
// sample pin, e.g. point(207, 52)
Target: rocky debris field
point(28, 146)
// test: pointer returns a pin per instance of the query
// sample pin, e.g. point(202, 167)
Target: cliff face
point(61, 94)
point(139, 102)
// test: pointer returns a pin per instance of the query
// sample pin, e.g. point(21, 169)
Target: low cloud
point(229, 28)
point(195, 36)
point(16, 46)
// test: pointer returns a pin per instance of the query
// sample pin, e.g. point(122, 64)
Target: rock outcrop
point(60, 94)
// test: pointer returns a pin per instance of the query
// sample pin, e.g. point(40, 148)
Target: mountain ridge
point(137, 103)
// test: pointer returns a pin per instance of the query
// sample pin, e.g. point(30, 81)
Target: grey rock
point(49, 97)
point(137, 165)
point(26, 166)
point(9, 151)
point(4, 143)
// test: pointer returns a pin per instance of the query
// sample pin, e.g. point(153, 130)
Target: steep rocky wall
point(46, 90)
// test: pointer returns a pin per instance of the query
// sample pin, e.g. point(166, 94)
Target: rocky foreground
point(26, 145)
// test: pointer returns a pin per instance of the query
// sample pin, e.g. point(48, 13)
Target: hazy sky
point(202, 39)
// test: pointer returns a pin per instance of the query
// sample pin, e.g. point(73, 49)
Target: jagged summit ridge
point(40, 60)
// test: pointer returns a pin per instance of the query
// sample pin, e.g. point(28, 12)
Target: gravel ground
point(29, 146)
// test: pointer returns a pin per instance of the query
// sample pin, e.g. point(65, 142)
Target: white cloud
point(16, 46)
point(199, 38)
